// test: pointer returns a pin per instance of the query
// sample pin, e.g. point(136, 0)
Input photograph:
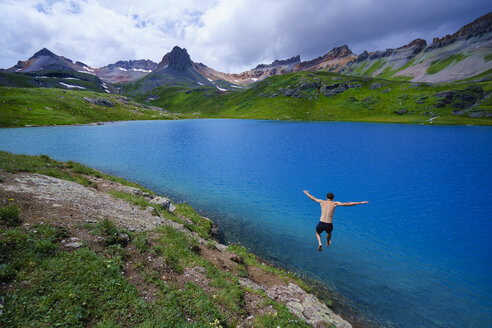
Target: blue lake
point(418, 255)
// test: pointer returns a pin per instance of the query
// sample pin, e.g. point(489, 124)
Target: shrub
point(9, 215)
point(140, 241)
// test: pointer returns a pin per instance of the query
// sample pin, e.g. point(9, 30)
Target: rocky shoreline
point(49, 200)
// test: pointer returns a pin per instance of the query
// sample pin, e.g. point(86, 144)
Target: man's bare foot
point(320, 248)
point(328, 243)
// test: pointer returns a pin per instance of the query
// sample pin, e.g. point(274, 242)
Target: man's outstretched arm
point(312, 198)
point(351, 203)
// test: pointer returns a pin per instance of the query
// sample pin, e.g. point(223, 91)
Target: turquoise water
point(418, 255)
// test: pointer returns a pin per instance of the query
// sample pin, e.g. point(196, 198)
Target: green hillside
point(70, 80)
point(331, 96)
point(40, 106)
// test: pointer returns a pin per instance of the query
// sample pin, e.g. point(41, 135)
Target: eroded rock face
point(478, 27)
point(178, 59)
point(303, 305)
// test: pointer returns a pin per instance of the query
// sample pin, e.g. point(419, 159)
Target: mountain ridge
point(465, 51)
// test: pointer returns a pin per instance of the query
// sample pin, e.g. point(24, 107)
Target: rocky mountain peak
point(338, 52)
point(178, 59)
point(43, 52)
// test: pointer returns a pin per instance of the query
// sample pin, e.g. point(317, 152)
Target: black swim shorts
point(323, 226)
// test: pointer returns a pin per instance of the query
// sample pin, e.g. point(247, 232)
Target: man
point(326, 220)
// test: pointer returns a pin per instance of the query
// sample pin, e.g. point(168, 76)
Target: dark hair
point(330, 196)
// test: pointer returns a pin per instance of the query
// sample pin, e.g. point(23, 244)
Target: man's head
point(330, 196)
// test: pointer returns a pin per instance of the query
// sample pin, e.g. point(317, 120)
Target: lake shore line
point(38, 186)
point(99, 123)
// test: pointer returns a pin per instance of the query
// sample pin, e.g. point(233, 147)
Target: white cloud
point(228, 35)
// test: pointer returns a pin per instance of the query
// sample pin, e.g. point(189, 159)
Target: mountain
point(258, 73)
point(47, 60)
point(48, 70)
point(464, 54)
point(175, 69)
point(126, 71)
point(461, 55)
point(332, 61)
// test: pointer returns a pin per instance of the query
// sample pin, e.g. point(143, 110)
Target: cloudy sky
point(227, 35)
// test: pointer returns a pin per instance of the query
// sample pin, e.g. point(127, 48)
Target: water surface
point(418, 255)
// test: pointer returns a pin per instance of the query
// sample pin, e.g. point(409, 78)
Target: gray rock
point(478, 114)
point(245, 282)
point(221, 247)
point(171, 208)
point(148, 195)
point(163, 202)
point(99, 101)
point(74, 245)
point(401, 111)
point(377, 85)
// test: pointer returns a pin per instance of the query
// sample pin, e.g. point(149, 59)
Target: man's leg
point(328, 239)
point(319, 241)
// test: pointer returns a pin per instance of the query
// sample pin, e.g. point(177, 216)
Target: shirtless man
point(326, 220)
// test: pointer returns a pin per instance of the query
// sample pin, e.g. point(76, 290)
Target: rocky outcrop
point(336, 57)
point(334, 89)
point(407, 51)
point(178, 60)
point(99, 101)
point(459, 99)
point(164, 203)
point(276, 63)
point(478, 27)
point(303, 305)
point(142, 64)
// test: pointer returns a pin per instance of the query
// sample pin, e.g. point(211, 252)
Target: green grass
point(488, 57)
point(374, 67)
point(52, 79)
point(266, 100)
point(38, 106)
point(251, 260)
point(9, 215)
point(200, 225)
point(438, 65)
point(52, 287)
point(63, 170)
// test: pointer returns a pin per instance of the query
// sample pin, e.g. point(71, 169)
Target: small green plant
point(113, 235)
point(141, 242)
point(9, 215)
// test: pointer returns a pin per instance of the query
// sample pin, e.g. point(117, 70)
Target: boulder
point(163, 202)
point(99, 101)
point(377, 86)
point(477, 114)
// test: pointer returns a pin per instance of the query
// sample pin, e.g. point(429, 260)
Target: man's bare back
point(326, 220)
point(327, 210)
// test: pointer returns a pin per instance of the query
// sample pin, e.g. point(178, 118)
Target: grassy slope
point(51, 287)
point(39, 106)
point(52, 79)
point(357, 104)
